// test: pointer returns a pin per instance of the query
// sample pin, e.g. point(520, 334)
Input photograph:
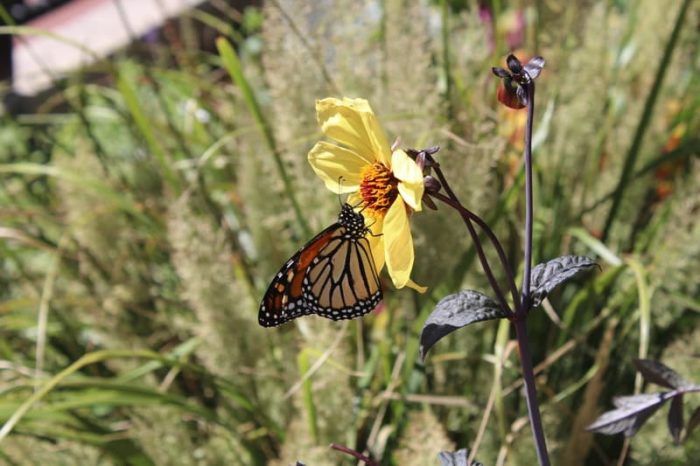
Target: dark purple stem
point(468, 216)
point(521, 313)
point(525, 291)
point(531, 391)
point(354, 454)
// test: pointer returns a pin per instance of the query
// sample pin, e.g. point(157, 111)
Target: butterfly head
point(354, 222)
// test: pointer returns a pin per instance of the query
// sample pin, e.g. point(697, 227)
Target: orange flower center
point(378, 188)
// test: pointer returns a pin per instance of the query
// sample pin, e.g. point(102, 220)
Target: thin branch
point(354, 454)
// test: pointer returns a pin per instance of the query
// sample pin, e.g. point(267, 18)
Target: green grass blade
point(644, 297)
point(38, 395)
point(221, 25)
point(647, 113)
point(179, 352)
point(234, 68)
point(86, 393)
point(143, 124)
point(91, 185)
point(502, 337)
point(93, 358)
point(578, 384)
point(596, 246)
point(307, 392)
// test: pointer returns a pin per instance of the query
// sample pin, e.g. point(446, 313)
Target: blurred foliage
point(146, 203)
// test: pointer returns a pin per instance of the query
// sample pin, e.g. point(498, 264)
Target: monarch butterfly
point(333, 276)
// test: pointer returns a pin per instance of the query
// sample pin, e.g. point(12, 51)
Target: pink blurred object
point(510, 25)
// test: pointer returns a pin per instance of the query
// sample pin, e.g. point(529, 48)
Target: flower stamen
point(378, 188)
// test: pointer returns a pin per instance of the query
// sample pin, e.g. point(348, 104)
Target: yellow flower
point(387, 186)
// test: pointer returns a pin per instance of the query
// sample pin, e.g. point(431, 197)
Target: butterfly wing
point(342, 281)
point(284, 298)
point(333, 276)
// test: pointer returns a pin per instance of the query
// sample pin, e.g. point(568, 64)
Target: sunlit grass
point(144, 212)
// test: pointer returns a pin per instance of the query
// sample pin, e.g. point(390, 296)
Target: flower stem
point(354, 454)
point(531, 391)
point(468, 216)
point(479, 248)
point(525, 291)
point(521, 313)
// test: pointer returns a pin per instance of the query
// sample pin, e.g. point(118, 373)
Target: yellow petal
point(355, 199)
point(416, 286)
point(339, 168)
point(376, 241)
point(411, 186)
point(398, 244)
point(412, 195)
point(352, 123)
point(405, 168)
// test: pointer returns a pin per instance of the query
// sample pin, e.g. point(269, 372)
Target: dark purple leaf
point(456, 311)
point(456, 458)
point(514, 64)
point(640, 400)
point(631, 413)
point(534, 67)
point(660, 374)
point(500, 72)
point(693, 422)
point(547, 276)
point(675, 418)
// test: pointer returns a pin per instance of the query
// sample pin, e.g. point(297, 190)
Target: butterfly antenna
point(340, 185)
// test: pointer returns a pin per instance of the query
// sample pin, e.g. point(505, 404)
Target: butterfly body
point(333, 276)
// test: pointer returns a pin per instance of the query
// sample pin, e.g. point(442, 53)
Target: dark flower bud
point(514, 64)
point(534, 67)
point(512, 92)
point(420, 160)
point(431, 150)
point(423, 157)
point(500, 72)
point(431, 184)
point(508, 93)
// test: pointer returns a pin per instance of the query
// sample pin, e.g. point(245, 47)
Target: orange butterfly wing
point(333, 276)
point(284, 298)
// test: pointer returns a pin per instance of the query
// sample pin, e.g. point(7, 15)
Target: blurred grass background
point(147, 202)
